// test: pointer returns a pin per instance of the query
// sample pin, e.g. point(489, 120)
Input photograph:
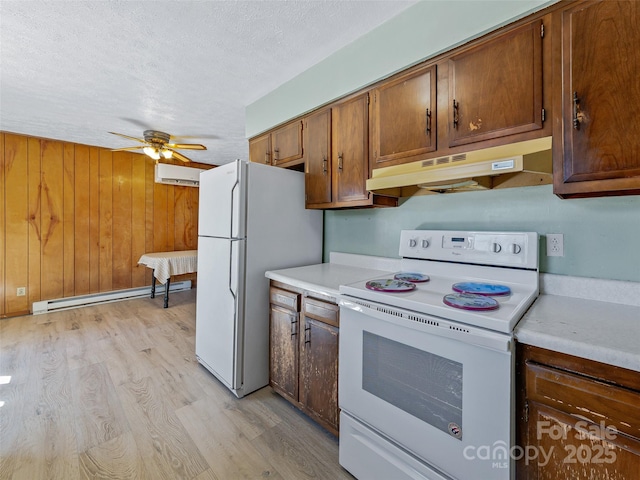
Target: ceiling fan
point(156, 145)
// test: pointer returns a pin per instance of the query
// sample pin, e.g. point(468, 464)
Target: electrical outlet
point(555, 245)
point(21, 291)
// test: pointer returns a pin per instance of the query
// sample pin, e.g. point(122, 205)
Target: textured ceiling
point(74, 70)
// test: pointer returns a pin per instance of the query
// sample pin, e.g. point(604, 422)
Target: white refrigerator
point(251, 219)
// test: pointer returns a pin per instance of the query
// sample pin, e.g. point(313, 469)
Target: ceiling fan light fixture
point(156, 145)
point(152, 152)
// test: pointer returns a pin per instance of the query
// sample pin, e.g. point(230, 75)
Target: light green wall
point(419, 32)
point(601, 235)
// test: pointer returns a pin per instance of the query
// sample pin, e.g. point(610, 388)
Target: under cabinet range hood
point(515, 165)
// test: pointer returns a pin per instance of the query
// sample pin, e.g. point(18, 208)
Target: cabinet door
point(319, 371)
point(283, 351)
point(495, 89)
point(317, 157)
point(600, 95)
point(403, 119)
point(581, 424)
point(286, 143)
point(569, 447)
point(260, 149)
point(350, 151)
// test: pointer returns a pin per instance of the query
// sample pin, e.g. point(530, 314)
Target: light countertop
point(589, 318)
point(342, 269)
point(591, 328)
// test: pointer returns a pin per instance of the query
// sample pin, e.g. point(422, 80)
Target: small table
point(166, 264)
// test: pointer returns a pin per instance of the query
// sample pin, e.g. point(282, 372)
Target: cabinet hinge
point(542, 30)
point(543, 114)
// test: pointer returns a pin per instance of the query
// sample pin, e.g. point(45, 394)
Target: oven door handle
point(501, 342)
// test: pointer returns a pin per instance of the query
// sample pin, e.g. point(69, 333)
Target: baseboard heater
point(45, 306)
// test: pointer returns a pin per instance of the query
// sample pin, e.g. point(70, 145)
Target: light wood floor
point(114, 391)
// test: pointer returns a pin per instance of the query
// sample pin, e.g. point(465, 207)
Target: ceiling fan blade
point(136, 122)
point(194, 137)
point(187, 146)
point(179, 156)
point(126, 149)
point(130, 138)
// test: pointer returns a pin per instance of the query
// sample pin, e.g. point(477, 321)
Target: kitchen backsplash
point(600, 234)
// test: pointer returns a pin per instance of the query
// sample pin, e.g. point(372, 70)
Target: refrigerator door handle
point(235, 185)
point(235, 269)
point(231, 264)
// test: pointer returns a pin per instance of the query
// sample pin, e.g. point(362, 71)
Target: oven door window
point(423, 384)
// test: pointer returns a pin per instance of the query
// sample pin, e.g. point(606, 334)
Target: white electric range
point(426, 357)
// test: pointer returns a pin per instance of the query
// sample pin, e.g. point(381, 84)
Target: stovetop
point(515, 268)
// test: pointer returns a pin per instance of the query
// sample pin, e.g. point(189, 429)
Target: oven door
point(434, 389)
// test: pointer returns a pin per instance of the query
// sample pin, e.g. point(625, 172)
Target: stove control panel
point(516, 249)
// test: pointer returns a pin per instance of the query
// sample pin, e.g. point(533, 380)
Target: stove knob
point(425, 243)
point(413, 242)
point(515, 248)
point(495, 247)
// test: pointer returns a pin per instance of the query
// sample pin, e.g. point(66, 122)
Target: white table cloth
point(166, 264)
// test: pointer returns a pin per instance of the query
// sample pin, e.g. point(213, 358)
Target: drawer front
point(285, 298)
point(324, 311)
point(591, 399)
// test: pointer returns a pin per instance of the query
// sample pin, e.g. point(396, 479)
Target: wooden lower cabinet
point(578, 419)
point(284, 351)
point(319, 362)
point(303, 352)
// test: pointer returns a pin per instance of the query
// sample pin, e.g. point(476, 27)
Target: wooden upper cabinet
point(350, 151)
point(495, 88)
point(286, 144)
point(317, 157)
point(600, 127)
point(281, 147)
point(403, 117)
point(260, 149)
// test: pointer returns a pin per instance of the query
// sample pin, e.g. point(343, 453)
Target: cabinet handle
point(294, 327)
point(576, 107)
point(455, 113)
point(428, 114)
point(307, 334)
point(324, 164)
point(340, 161)
point(266, 157)
point(275, 154)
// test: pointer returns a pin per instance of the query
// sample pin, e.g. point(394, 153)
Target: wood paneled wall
point(75, 220)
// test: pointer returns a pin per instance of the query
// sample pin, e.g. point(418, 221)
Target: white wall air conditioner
point(178, 175)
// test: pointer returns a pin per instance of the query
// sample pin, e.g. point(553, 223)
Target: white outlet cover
point(555, 245)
